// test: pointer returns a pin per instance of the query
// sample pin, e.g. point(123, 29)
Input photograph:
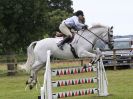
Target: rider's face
point(81, 17)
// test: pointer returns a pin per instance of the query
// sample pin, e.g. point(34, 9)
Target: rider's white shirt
point(73, 22)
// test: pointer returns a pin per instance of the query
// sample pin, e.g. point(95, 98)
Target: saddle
point(59, 34)
point(66, 40)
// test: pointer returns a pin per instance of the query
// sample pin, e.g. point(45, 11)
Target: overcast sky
point(118, 13)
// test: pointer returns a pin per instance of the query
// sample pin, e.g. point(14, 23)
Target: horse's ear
point(111, 27)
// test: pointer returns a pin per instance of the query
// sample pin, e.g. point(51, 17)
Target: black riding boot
point(65, 40)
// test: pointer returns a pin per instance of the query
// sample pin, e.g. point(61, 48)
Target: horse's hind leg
point(33, 77)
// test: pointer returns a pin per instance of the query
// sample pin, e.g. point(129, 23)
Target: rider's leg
point(65, 40)
point(64, 29)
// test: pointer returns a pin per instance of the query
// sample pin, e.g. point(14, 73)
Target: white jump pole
point(104, 80)
point(43, 88)
point(49, 84)
point(98, 78)
point(101, 60)
point(46, 90)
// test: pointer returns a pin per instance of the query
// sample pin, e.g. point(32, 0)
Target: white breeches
point(64, 29)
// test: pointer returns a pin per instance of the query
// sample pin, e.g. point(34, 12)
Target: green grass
point(120, 86)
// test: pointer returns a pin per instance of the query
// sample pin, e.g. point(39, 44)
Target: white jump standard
point(101, 80)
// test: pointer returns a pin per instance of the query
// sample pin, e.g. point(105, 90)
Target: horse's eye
point(111, 35)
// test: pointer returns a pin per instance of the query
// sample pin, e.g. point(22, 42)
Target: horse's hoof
point(26, 83)
point(31, 87)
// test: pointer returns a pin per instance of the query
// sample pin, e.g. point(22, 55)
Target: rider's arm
point(77, 23)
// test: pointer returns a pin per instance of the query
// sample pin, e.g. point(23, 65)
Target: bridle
point(107, 42)
point(103, 36)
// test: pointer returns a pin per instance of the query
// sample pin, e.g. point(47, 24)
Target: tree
point(24, 21)
point(21, 22)
point(58, 10)
point(64, 5)
point(55, 18)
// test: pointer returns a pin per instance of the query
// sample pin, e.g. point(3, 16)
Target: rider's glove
point(85, 27)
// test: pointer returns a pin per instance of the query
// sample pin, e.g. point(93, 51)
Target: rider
point(75, 22)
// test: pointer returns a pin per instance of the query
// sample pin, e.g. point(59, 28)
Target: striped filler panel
point(60, 83)
point(74, 70)
point(75, 93)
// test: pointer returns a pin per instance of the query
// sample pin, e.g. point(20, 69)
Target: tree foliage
point(64, 5)
point(24, 21)
point(55, 18)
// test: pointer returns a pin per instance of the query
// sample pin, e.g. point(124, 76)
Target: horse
point(82, 43)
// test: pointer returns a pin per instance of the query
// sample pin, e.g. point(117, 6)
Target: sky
point(117, 13)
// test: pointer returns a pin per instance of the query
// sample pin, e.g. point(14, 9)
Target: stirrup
point(65, 40)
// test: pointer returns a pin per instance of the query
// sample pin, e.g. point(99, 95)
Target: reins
point(94, 35)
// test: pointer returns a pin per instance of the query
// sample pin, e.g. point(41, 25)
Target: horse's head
point(103, 33)
point(108, 37)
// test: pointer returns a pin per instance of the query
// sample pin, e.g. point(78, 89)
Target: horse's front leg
point(84, 53)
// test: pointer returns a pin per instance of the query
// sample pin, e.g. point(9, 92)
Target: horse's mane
point(97, 26)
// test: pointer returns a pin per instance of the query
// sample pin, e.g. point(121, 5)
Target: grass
point(120, 86)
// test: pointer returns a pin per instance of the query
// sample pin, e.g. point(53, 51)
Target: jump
point(82, 43)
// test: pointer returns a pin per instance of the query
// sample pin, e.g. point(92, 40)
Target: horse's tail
point(30, 59)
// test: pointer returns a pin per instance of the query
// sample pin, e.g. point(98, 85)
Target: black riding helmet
point(79, 12)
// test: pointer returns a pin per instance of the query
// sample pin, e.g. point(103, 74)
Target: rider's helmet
point(79, 12)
